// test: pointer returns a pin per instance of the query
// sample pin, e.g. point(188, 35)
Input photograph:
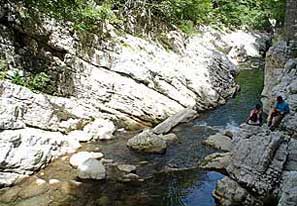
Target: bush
point(36, 82)
point(85, 14)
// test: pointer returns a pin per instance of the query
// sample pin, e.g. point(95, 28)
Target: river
point(184, 187)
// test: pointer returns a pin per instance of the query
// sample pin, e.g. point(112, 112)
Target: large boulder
point(147, 142)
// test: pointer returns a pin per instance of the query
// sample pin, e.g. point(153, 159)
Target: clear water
point(187, 186)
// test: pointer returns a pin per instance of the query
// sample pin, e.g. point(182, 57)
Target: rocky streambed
point(173, 178)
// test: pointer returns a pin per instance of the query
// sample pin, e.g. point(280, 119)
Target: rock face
point(276, 72)
point(24, 151)
point(263, 163)
point(258, 160)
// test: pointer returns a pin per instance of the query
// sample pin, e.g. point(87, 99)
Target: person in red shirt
point(255, 117)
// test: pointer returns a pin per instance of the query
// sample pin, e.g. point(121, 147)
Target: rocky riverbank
point(261, 168)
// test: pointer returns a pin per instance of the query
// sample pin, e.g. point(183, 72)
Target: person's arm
point(251, 113)
point(286, 109)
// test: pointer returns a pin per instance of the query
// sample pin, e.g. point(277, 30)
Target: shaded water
point(191, 187)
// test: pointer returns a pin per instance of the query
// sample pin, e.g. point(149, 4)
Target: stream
point(172, 179)
point(175, 185)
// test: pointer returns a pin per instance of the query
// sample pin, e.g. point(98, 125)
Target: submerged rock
point(127, 168)
point(92, 169)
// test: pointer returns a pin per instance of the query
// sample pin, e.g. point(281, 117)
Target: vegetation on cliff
point(185, 13)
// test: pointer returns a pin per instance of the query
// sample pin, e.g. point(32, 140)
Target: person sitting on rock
point(255, 117)
point(277, 113)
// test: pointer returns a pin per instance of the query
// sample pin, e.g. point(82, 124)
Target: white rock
point(92, 169)
point(219, 141)
point(180, 117)
point(100, 129)
point(53, 181)
point(40, 181)
point(25, 151)
point(77, 159)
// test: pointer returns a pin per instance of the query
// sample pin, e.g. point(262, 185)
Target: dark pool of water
point(191, 187)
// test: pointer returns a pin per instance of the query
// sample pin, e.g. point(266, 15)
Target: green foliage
point(37, 82)
point(87, 14)
point(252, 13)
point(187, 10)
point(18, 79)
point(188, 27)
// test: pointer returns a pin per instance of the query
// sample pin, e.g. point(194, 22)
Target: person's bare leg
point(270, 117)
point(276, 121)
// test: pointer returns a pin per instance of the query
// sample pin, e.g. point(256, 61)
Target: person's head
point(258, 106)
point(279, 99)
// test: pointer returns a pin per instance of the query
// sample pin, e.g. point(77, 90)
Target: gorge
point(67, 92)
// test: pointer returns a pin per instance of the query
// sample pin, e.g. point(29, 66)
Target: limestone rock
point(258, 161)
point(24, 151)
point(289, 189)
point(92, 169)
point(100, 129)
point(180, 117)
point(228, 192)
point(77, 159)
point(11, 115)
point(147, 142)
point(216, 162)
point(219, 141)
point(169, 138)
point(127, 168)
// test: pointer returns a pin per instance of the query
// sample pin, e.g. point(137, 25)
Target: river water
point(183, 187)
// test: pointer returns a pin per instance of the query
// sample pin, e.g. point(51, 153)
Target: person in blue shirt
point(280, 109)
